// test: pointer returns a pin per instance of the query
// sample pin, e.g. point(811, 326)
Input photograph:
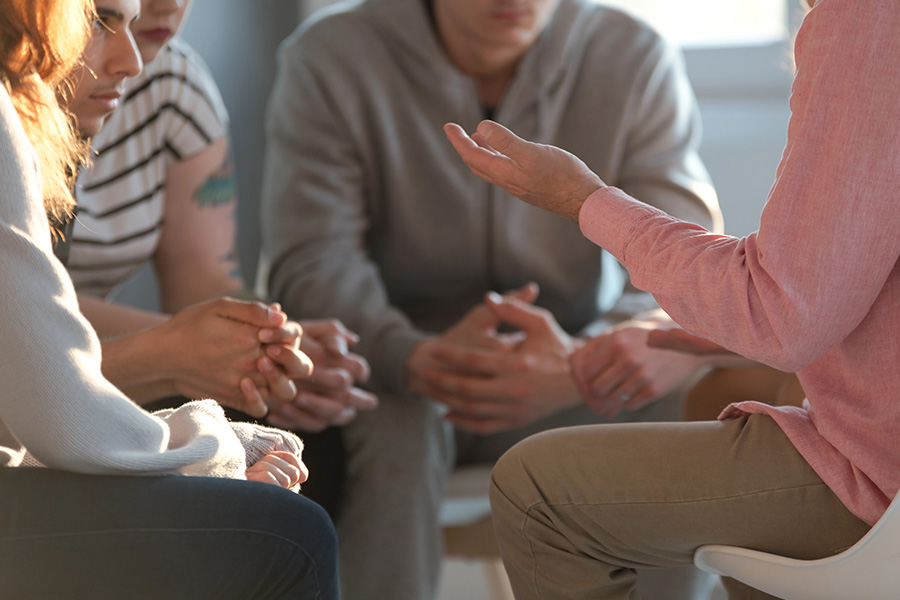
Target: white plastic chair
point(869, 570)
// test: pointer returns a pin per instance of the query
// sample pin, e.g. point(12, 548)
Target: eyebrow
point(107, 12)
point(110, 12)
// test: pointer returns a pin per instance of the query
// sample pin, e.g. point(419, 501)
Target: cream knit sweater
point(54, 399)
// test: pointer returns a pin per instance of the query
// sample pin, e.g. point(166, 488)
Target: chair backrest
point(868, 570)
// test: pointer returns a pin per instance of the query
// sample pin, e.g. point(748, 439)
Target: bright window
point(712, 22)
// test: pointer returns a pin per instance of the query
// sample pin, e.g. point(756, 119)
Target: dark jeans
point(70, 536)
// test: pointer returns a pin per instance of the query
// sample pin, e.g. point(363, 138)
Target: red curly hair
point(40, 42)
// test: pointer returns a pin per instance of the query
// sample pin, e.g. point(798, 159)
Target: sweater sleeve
point(55, 400)
point(313, 210)
point(830, 233)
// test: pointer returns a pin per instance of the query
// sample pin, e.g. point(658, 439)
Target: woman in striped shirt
point(161, 189)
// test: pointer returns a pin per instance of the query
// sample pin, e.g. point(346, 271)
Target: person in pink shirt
point(815, 291)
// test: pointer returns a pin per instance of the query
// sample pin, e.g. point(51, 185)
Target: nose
point(126, 58)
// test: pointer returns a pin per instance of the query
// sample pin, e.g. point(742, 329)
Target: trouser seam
point(692, 501)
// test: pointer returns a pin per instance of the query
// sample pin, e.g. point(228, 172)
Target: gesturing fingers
point(478, 154)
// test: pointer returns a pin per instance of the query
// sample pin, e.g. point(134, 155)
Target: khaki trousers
point(577, 510)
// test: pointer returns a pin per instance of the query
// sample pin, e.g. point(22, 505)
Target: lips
point(107, 100)
point(511, 15)
point(158, 35)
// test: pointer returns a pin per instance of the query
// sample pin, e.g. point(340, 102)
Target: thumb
point(256, 314)
point(501, 139)
point(528, 293)
point(515, 312)
point(483, 319)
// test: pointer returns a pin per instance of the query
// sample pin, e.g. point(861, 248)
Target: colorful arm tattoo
point(220, 188)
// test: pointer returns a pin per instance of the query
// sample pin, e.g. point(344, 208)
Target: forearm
point(133, 363)
point(112, 320)
point(129, 361)
point(147, 393)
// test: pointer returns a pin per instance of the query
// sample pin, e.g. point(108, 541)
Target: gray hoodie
point(371, 217)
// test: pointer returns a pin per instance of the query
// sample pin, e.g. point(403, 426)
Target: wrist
point(583, 190)
point(131, 363)
point(415, 365)
point(580, 383)
point(150, 392)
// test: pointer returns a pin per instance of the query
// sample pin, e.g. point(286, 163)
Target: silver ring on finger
point(625, 396)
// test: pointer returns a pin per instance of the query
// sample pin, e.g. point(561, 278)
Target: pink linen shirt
point(817, 289)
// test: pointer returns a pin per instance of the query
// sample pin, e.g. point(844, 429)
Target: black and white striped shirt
point(170, 112)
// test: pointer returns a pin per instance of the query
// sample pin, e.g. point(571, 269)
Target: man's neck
point(491, 67)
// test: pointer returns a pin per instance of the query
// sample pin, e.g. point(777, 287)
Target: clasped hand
point(330, 395)
point(493, 381)
point(622, 369)
point(214, 350)
point(251, 357)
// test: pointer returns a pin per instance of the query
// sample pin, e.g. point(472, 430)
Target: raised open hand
point(545, 176)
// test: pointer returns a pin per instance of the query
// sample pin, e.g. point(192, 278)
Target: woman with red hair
point(84, 525)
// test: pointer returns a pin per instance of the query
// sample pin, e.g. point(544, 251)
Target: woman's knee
point(296, 518)
point(306, 552)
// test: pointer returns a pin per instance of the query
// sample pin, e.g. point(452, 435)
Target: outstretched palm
point(544, 176)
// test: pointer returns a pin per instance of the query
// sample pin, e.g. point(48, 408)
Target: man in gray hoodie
point(370, 216)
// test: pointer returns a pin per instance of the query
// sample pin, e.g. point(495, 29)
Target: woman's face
point(110, 58)
point(158, 23)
